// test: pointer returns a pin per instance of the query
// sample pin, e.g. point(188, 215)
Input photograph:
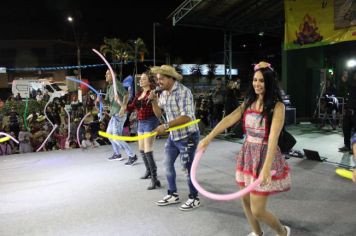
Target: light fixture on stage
point(351, 63)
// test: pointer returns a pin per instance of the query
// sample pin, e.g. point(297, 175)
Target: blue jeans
point(146, 126)
point(185, 149)
point(115, 127)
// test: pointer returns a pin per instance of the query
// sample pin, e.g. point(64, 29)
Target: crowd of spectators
point(33, 128)
point(211, 107)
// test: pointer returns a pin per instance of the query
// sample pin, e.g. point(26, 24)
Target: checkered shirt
point(178, 102)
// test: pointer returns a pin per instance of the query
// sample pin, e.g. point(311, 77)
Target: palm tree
point(137, 49)
point(118, 51)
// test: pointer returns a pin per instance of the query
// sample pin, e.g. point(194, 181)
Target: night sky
point(48, 18)
point(94, 20)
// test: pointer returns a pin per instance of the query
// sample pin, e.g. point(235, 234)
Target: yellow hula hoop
point(4, 139)
point(344, 173)
point(126, 138)
point(143, 136)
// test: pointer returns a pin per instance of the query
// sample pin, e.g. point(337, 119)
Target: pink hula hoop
point(111, 71)
point(215, 196)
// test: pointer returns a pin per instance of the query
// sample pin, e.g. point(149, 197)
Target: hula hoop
point(68, 124)
point(215, 196)
point(9, 136)
point(80, 124)
point(111, 71)
point(49, 135)
point(25, 113)
point(4, 139)
point(45, 112)
point(98, 94)
point(344, 173)
point(143, 136)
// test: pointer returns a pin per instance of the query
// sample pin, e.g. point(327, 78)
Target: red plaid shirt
point(143, 106)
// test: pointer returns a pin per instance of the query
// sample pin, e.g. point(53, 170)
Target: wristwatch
point(166, 126)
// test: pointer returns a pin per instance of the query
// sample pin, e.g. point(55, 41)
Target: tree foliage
point(121, 52)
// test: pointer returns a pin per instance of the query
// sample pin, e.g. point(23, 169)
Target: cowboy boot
point(147, 174)
point(153, 169)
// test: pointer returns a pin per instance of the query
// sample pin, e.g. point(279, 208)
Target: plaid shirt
point(178, 102)
point(143, 106)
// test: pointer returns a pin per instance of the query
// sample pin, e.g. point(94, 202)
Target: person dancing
point(118, 118)
point(147, 122)
point(260, 153)
point(177, 102)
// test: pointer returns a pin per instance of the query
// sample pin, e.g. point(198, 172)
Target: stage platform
point(81, 192)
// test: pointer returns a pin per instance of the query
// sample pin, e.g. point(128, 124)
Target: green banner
point(311, 23)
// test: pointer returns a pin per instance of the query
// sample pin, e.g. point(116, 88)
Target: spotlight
point(351, 63)
point(261, 33)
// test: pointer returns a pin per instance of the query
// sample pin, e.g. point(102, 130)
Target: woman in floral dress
point(260, 153)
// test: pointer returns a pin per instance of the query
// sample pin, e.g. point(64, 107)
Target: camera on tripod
point(329, 106)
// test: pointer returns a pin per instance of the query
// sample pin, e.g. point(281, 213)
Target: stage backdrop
point(310, 23)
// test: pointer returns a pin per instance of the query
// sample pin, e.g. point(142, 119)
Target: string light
point(51, 68)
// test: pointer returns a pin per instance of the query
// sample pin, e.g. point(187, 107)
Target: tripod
point(331, 106)
point(322, 90)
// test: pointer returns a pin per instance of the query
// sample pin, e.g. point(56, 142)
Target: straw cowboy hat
point(167, 70)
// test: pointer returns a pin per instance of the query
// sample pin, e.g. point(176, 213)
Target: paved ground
point(79, 192)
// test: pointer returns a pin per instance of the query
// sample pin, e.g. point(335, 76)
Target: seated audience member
point(61, 138)
point(89, 142)
point(24, 140)
point(5, 148)
point(101, 140)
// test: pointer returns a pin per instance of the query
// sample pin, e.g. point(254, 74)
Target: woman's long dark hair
point(272, 92)
point(151, 79)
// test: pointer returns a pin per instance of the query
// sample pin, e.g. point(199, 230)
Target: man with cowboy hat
point(177, 102)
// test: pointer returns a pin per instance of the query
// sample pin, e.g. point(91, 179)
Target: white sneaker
point(168, 199)
point(288, 230)
point(190, 204)
point(254, 234)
